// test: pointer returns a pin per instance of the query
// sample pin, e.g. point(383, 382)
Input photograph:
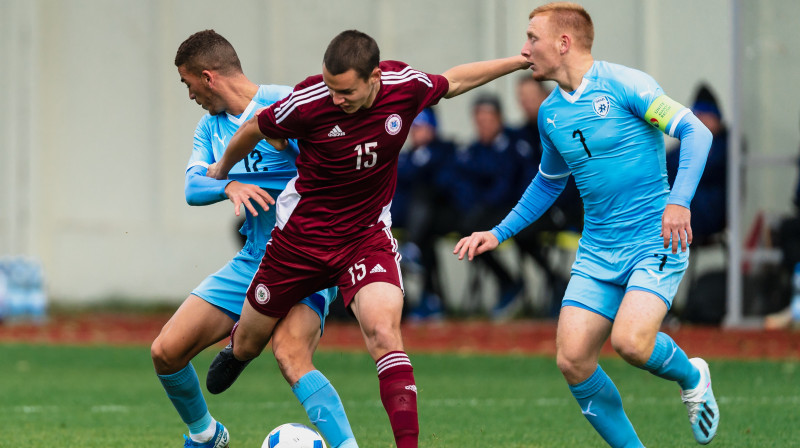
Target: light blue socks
point(668, 361)
point(601, 404)
point(183, 389)
point(325, 409)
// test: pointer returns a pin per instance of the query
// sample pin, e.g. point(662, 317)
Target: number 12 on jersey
point(369, 158)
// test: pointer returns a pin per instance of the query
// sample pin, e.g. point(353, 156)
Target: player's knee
point(383, 337)
point(245, 350)
point(575, 367)
point(567, 365)
point(163, 361)
point(631, 348)
point(289, 351)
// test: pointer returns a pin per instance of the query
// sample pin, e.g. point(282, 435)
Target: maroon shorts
point(290, 272)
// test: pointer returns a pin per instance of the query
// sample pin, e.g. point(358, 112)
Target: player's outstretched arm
point(475, 244)
point(465, 77)
point(243, 141)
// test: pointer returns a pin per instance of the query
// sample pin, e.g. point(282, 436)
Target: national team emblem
point(601, 105)
point(393, 124)
point(262, 294)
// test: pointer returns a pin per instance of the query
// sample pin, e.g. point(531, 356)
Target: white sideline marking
point(35, 409)
point(108, 408)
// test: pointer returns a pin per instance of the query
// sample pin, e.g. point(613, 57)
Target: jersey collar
point(241, 118)
point(576, 95)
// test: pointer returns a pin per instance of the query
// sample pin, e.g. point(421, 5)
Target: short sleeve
point(284, 119)
point(430, 95)
point(202, 151)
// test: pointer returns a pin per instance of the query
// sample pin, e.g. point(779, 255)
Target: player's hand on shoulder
point(475, 244)
point(676, 225)
point(244, 194)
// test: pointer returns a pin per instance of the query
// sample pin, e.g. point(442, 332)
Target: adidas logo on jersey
point(377, 268)
point(336, 132)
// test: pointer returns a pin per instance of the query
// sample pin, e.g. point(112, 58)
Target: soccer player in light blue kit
point(210, 68)
point(604, 124)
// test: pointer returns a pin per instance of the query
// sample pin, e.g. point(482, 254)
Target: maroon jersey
point(347, 167)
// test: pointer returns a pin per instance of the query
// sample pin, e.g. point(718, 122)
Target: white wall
point(96, 128)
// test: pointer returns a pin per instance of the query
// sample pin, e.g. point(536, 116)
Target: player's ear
point(564, 43)
point(207, 77)
point(375, 76)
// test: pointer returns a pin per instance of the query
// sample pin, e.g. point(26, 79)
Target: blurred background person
point(566, 214)
point(706, 297)
point(788, 240)
point(420, 205)
point(491, 173)
point(709, 206)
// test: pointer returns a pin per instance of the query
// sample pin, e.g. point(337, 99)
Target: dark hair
point(705, 101)
point(207, 50)
point(352, 49)
point(488, 99)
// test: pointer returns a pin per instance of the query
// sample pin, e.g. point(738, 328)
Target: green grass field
point(55, 396)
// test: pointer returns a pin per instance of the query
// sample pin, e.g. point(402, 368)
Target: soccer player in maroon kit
point(333, 219)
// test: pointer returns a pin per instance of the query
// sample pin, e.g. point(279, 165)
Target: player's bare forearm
point(242, 142)
point(465, 77)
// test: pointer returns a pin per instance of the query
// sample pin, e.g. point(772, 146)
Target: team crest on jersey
point(601, 105)
point(262, 294)
point(393, 124)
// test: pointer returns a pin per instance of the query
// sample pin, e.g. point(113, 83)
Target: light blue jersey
point(599, 134)
point(608, 135)
point(266, 167)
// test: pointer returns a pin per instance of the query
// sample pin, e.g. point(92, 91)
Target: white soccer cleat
point(702, 406)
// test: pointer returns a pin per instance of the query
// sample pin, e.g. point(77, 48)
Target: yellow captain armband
point(661, 111)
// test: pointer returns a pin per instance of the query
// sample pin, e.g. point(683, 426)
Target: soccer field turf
point(57, 396)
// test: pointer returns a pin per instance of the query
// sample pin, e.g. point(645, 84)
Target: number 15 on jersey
point(366, 158)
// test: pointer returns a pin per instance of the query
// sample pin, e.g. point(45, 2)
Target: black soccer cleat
point(224, 370)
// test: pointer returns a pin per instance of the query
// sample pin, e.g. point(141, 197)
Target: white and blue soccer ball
point(293, 435)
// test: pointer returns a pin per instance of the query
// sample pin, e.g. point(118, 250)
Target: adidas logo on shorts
point(377, 268)
point(336, 132)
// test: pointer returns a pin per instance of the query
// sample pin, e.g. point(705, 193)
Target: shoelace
point(694, 410)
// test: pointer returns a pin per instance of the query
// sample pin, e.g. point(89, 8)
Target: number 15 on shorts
point(357, 272)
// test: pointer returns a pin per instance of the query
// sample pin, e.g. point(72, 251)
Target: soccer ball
point(293, 435)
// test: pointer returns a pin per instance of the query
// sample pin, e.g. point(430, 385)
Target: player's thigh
point(195, 326)
point(252, 332)
point(298, 333)
point(378, 308)
point(320, 304)
point(637, 324)
point(580, 337)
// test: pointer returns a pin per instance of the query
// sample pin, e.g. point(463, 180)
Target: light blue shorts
point(602, 276)
point(226, 289)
